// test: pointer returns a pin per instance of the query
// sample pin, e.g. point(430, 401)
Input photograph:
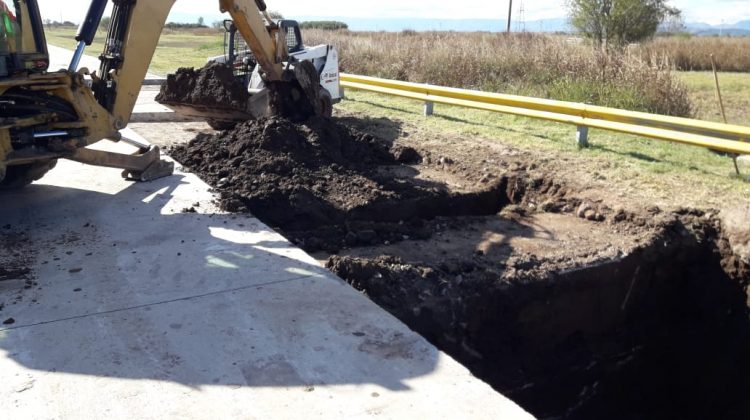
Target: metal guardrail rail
point(716, 136)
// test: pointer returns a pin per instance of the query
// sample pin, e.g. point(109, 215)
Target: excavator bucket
point(213, 94)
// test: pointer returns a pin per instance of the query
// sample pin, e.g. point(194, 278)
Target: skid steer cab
point(324, 58)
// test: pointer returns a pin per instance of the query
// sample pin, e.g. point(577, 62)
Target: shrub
point(176, 25)
point(327, 25)
point(694, 53)
point(546, 66)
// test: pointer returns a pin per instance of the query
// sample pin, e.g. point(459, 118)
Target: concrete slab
point(59, 58)
point(141, 308)
point(147, 110)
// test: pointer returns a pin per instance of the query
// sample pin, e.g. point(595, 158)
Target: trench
point(569, 309)
point(660, 333)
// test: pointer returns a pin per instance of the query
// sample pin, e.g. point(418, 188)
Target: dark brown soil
point(644, 334)
point(15, 256)
point(325, 178)
point(213, 85)
point(572, 308)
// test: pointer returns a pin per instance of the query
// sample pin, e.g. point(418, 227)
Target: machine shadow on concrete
point(134, 285)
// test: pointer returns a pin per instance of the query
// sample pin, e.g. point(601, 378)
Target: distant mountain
point(741, 28)
point(723, 32)
point(459, 25)
point(470, 25)
point(697, 26)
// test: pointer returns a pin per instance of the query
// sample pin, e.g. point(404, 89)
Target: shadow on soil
point(122, 290)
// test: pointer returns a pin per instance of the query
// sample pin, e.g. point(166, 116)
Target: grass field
point(668, 170)
point(735, 90)
point(176, 48)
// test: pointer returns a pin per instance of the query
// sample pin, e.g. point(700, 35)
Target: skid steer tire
point(221, 125)
point(19, 176)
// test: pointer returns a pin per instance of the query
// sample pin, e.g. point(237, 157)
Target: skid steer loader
point(47, 115)
point(324, 58)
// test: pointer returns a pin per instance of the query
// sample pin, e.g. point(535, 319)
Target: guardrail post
point(582, 136)
point(429, 108)
point(742, 164)
point(342, 93)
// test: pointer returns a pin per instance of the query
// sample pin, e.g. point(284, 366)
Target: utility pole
point(510, 13)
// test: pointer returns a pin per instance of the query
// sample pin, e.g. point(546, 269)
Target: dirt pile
point(572, 308)
point(213, 85)
point(324, 177)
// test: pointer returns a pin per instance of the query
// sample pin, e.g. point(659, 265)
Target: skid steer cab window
point(22, 43)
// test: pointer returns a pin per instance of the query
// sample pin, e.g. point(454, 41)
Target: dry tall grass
point(693, 54)
point(528, 64)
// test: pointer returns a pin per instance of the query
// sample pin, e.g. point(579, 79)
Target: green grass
point(176, 48)
point(735, 90)
point(672, 173)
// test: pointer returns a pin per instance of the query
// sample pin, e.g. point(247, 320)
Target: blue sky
point(709, 11)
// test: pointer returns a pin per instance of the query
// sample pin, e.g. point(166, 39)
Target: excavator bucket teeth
point(156, 170)
point(309, 80)
point(299, 98)
point(144, 165)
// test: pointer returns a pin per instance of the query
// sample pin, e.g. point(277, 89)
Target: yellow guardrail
point(716, 136)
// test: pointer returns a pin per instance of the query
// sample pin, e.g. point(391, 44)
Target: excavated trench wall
point(658, 331)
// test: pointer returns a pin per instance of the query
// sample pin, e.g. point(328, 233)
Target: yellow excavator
point(47, 115)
